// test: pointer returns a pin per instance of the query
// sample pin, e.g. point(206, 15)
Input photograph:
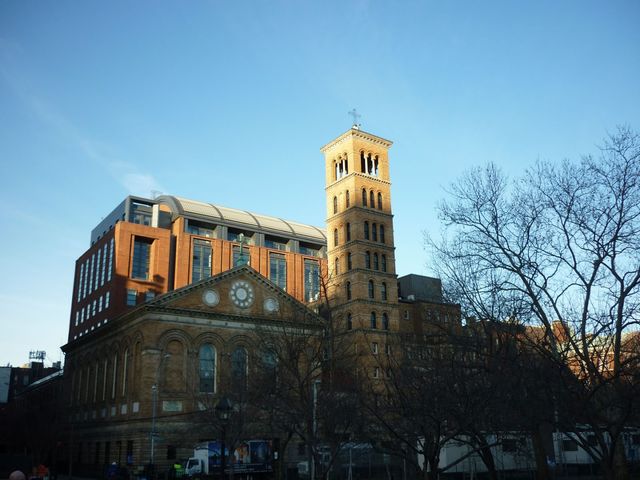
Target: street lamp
point(316, 384)
point(223, 412)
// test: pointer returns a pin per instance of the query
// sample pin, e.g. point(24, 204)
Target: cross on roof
point(354, 113)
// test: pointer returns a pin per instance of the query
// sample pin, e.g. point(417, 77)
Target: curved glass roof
point(242, 219)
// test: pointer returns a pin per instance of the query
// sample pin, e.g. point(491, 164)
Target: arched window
point(385, 321)
point(383, 291)
point(347, 288)
point(347, 200)
point(348, 232)
point(375, 261)
point(270, 362)
point(371, 289)
point(364, 197)
point(336, 268)
point(372, 202)
point(349, 263)
point(349, 322)
point(382, 233)
point(379, 201)
point(374, 322)
point(384, 263)
point(172, 376)
point(363, 163)
point(366, 230)
point(367, 259)
point(125, 371)
point(374, 232)
point(239, 369)
point(207, 357)
point(335, 204)
point(335, 237)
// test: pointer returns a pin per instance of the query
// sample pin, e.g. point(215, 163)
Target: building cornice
point(355, 133)
point(357, 174)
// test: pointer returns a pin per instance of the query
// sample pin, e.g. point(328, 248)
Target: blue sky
point(102, 99)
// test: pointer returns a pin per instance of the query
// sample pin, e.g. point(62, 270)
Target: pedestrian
point(112, 471)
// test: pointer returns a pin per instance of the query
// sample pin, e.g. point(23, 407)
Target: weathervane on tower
point(354, 113)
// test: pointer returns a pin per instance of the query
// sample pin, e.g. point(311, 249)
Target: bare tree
point(439, 388)
point(303, 387)
point(559, 247)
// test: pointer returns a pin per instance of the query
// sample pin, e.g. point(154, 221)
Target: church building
point(172, 294)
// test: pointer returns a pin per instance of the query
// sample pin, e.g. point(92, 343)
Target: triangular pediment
point(241, 292)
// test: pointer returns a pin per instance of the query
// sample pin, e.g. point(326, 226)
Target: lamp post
point(316, 383)
point(223, 412)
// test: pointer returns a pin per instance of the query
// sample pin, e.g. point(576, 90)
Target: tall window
point(270, 364)
point(80, 281)
point(364, 197)
point(382, 233)
point(278, 270)
point(125, 371)
point(347, 230)
point(371, 289)
point(104, 264)
point(348, 290)
point(375, 261)
point(91, 272)
point(383, 291)
point(379, 200)
point(384, 262)
point(372, 202)
point(98, 269)
point(207, 356)
point(385, 321)
point(335, 204)
point(141, 258)
point(349, 322)
point(336, 267)
point(374, 232)
point(374, 321)
point(335, 237)
point(110, 264)
point(349, 262)
point(311, 280)
point(367, 259)
point(366, 230)
point(201, 260)
point(239, 369)
point(347, 200)
point(114, 377)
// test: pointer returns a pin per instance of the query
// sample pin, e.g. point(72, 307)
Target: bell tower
point(362, 285)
